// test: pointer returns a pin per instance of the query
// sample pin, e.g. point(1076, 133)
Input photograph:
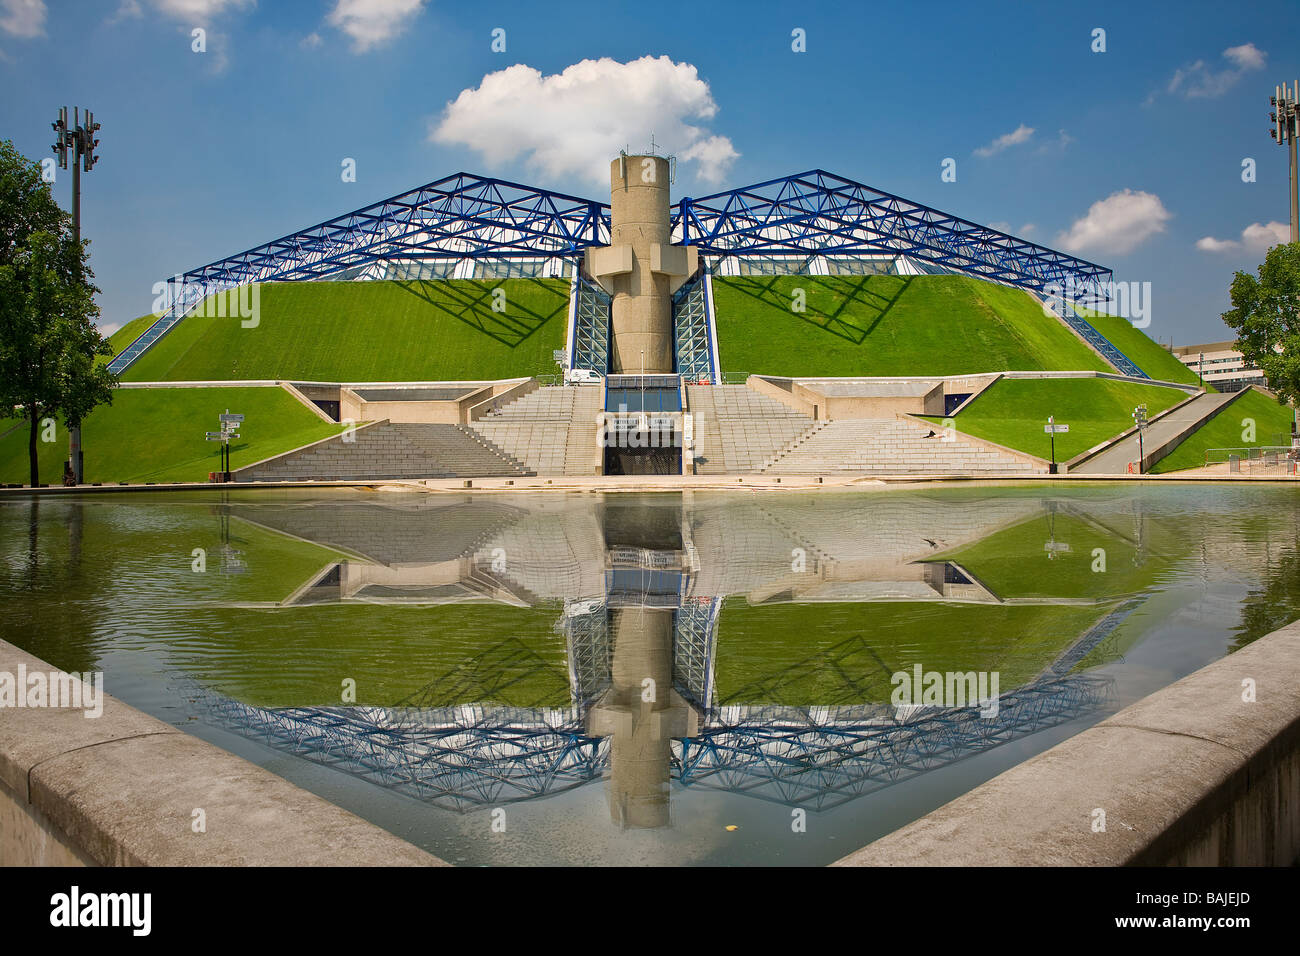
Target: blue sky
point(1134, 159)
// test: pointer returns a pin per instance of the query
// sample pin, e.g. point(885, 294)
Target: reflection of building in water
point(642, 581)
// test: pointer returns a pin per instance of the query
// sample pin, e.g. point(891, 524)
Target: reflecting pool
point(623, 678)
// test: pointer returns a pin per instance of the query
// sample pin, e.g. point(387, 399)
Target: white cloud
point(1019, 135)
point(23, 18)
point(1247, 56)
point(372, 23)
point(576, 121)
point(198, 12)
point(1117, 224)
point(126, 10)
point(311, 41)
point(1062, 141)
point(1257, 237)
point(1200, 81)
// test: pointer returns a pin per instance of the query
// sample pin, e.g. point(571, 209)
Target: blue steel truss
point(691, 337)
point(590, 346)
point(472, 217)
point(460, 217)
point(819, 213)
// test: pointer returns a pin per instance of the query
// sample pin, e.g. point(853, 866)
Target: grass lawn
point(371, 331)
point(841, 654)
point(157, 434)
point(444, 655)
point(888, 325)
point(1016, 562)
point(1012, 412)
point(1228, 429)
point(1148, 355)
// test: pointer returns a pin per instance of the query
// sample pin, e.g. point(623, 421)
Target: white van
point(582, 376)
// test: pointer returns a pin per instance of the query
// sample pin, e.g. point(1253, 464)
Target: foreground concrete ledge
point(122, 789)
point(1191, 775)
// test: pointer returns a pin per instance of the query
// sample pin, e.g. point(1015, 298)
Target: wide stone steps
point(552, 429)
point(737, 429)
point(889, 447)
point(389, 450)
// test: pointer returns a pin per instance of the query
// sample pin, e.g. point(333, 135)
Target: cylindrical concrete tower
point(642, 309)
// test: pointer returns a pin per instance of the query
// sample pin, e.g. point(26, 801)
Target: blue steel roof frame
point(432, 221)
point(462, 216)
point(820, 213)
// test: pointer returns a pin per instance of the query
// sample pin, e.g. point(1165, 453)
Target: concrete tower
point(641, 269)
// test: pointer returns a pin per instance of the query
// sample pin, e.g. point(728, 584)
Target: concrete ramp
point(1162, 436)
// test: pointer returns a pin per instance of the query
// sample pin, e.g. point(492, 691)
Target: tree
point(1266, 314)
point(48, 339)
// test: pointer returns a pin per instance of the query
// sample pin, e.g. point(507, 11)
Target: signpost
point(1054, 429)
point(228, 423)
point(1140, 418)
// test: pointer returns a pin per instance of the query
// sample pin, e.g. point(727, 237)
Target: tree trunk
point(31, 448)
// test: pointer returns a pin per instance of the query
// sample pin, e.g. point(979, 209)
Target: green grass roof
point(371, 331)
point(889, 325)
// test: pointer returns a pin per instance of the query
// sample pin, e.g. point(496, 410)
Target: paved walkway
point(1115, 459)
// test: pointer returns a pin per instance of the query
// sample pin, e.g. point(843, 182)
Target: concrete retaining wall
point(1191, 775)
point(122, 789)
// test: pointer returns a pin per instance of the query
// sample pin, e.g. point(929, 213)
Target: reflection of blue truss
point(473, 217)
point(821, 759)
point(456, 757)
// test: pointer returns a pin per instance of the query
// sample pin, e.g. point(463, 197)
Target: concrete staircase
point(738, 430)
point(552, 430)
point(890, 447)
point(390, 450)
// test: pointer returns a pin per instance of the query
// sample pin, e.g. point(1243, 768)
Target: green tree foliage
point(1266, 314)
point(48, 339)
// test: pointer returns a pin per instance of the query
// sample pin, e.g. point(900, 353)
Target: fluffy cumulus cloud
point(1203, 81)
point(372, 23)
point(1117, 224)
point(1021, 134)
point(575, 121)
point(22, 18)
point(1257, 237)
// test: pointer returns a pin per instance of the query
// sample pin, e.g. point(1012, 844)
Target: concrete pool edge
point(126, 789)
point(603, 484)
point(1191, 775)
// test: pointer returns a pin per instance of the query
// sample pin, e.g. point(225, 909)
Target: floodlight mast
point(80, 139)
point(1286, 132)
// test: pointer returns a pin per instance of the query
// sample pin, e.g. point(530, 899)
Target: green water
point(504, 643)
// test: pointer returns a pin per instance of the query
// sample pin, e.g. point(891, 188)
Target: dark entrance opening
point(643, 461)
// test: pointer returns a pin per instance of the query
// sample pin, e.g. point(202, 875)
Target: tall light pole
point(1286, 132)
point(80, 139)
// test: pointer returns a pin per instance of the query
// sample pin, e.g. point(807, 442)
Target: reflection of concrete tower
point(638, 713)
point(640, 268)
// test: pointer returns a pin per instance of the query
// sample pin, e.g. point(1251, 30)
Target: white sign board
point(1055, 429)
